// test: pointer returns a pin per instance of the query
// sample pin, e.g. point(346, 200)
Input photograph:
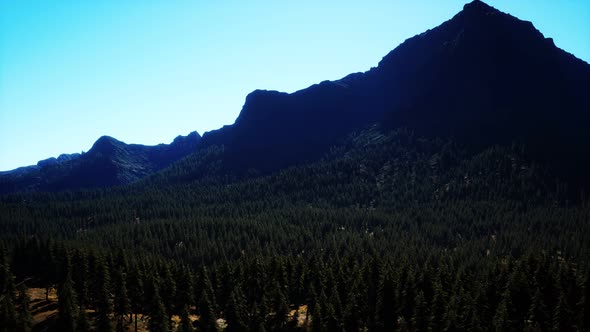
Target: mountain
point(109, 162)
point(486, 78)
point(426, 194)
point(482, 78)
point(387, 218)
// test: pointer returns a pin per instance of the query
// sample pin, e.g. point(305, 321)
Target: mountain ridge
point(481, 78)
point(108, 162)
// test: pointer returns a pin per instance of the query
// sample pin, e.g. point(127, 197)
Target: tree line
point(387, 232)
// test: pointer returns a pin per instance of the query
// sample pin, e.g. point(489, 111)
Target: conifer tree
point(206, 289)
point(101, 294)
point(121, 299)
point(437, 309)
point(7, 287)
point(452, 315)
point(502, 318)
point(80, 278)
point(386, 314)
point(136, 293)
point(317, 319)
point(186, 325)
point(330, 315)
point(537, 315)
point(561, 320)
point(8, 317)
point(419, 319)
point(207, 316)
point(293, 323)
point(353, 310)
point(67, 305)
point(402, 325)
point(168, 290)
point(25, 321)
point(3, 256)
point(158, 317)
point(82, 324)
point(235, 313)
point(49, 266)
point(184, 289)
point(584, 305)
point(280, 309)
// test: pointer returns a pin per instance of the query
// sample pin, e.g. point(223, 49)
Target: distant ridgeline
point(444, 189)
point(108, 163)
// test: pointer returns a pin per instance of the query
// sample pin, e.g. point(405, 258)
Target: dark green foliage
point(103, 309)
point(184, 289)
point(136, 292)
point(8, 313)
point(236, 315)
point(388, 232)
point(186, 325)
point(562, 320)
point(168, 290)
point(502, 320)
point(121, 298)
point(158, 317)
point(280, 311)
point(537, 314)
point(386, 310)
point(318, 323)
point(8, 317)
point(25, 321)
point(82, 325)
point(68, 305)
point(207, 315)
point(419, 319)
point(80, 277)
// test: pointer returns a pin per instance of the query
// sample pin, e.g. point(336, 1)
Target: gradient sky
point(147, 71)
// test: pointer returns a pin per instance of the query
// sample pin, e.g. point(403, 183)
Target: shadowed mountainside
point(482, 78)
point(109, 162)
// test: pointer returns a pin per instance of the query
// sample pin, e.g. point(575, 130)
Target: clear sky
point(147, 71)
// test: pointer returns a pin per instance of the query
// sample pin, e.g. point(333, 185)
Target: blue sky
point(147, 71)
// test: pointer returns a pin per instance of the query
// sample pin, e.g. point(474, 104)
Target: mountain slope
point(109, 162)
point(485, 77)
point(482, 78)
point(418, 212)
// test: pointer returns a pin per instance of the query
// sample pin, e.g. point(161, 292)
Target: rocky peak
point(477, 7)
point(105, 145)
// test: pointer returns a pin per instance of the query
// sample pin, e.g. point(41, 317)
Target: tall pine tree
point(25, 320)
point(67, 305)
